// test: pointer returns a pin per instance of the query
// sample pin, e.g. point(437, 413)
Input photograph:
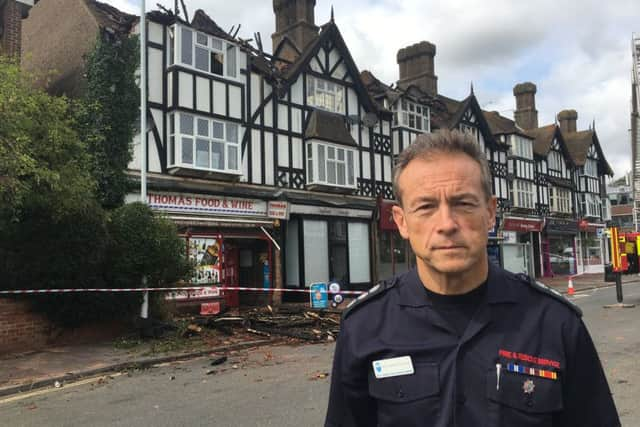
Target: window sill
point(201, 173)
point(331, 188)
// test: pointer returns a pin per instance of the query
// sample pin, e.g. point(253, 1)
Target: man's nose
point(446, 219)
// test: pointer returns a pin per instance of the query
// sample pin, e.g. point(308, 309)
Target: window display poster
point(205, 253)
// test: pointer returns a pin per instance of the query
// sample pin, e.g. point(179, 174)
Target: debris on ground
point(218, 360)
point(318, 376)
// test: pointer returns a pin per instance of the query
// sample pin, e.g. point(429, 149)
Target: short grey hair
point(443, 141)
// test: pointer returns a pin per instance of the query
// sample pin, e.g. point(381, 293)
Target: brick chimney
point(417, 67)
point(526, 115)
point(568, 120)
point(295, 20)
point(12, 12)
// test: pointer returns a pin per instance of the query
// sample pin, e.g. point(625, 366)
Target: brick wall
point(12, 24)
point(20, 328)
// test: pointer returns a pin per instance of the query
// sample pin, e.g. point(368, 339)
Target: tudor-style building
point(521, 221)
point(592, 203)
point(418, 108)
point(556, 191)
point(235, 131)
point(570, 175)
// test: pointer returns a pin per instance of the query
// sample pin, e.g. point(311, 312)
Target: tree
point(41, 155)
point(109, 112)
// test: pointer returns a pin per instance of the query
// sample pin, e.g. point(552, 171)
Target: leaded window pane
point(202, 153)
point(217, 157)
point(187, 46)
point(187, 151)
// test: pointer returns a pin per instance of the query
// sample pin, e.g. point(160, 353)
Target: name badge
point(393, 367)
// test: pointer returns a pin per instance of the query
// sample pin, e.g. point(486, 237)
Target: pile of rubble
point(293, 322)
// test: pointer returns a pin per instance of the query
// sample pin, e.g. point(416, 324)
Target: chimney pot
point(568, 120)
point(416, 66)
point(526, 115)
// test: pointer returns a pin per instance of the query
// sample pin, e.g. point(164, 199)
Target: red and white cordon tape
point(190, 288)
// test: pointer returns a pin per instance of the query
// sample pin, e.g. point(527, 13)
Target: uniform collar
point(500, 289)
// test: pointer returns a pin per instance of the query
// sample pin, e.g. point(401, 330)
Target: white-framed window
point(555, 160)
point(521, 147)
point(412, 115)
point(591, 167)
point(330, 164)
point(469, 129)
point(202, 143)
point(522, 194)
point(560, 199)
point(325, 94)
point(591, 205)
point(203, 52)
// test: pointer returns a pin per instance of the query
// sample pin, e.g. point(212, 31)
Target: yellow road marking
point(50, 389)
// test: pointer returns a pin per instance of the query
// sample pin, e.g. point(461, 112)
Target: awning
point(213, 221)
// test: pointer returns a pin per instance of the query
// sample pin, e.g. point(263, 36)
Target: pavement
point(44, 368)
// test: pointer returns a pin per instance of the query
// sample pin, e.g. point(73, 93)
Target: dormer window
point(521, 147)
point(205, 53)
point(411, 115)
point(591, 168)
point(325, 94)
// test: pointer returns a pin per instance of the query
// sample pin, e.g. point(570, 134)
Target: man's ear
point(492, 206)
point(400, 220)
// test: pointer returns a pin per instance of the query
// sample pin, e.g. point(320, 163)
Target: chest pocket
point(522, 400)
point(407, 399)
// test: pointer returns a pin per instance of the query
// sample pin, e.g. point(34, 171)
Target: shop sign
point(327, 211)
point(589, 226)
point(278, 210)
point(206, 204)
point(386, 216)
point(561, 226)
point(522, 225)
point(197, 294)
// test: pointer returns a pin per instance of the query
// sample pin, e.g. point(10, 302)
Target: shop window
point(316, 251)
point(293, 253)
point(393, 254)
point(338, 254)
point(359, 263)
point(205, 254)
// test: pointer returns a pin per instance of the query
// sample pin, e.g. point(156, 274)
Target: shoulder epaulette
point(378, 289)
point(542, 288)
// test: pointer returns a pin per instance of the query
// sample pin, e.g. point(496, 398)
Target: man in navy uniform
point(456, 341)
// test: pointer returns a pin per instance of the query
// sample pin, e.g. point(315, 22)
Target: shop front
point(521, 245)
point(231, 241)
point(559, 247)
point(394, 254)
point(590, 247)
point(326, 244)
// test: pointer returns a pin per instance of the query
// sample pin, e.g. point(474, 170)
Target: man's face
point(445, 213)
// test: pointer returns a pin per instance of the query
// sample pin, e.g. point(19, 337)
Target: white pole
point(144, 309)
point(143, 103)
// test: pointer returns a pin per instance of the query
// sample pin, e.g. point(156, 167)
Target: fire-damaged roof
point(110, 18)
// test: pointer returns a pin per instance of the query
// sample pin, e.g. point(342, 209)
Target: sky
point(578, 53)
